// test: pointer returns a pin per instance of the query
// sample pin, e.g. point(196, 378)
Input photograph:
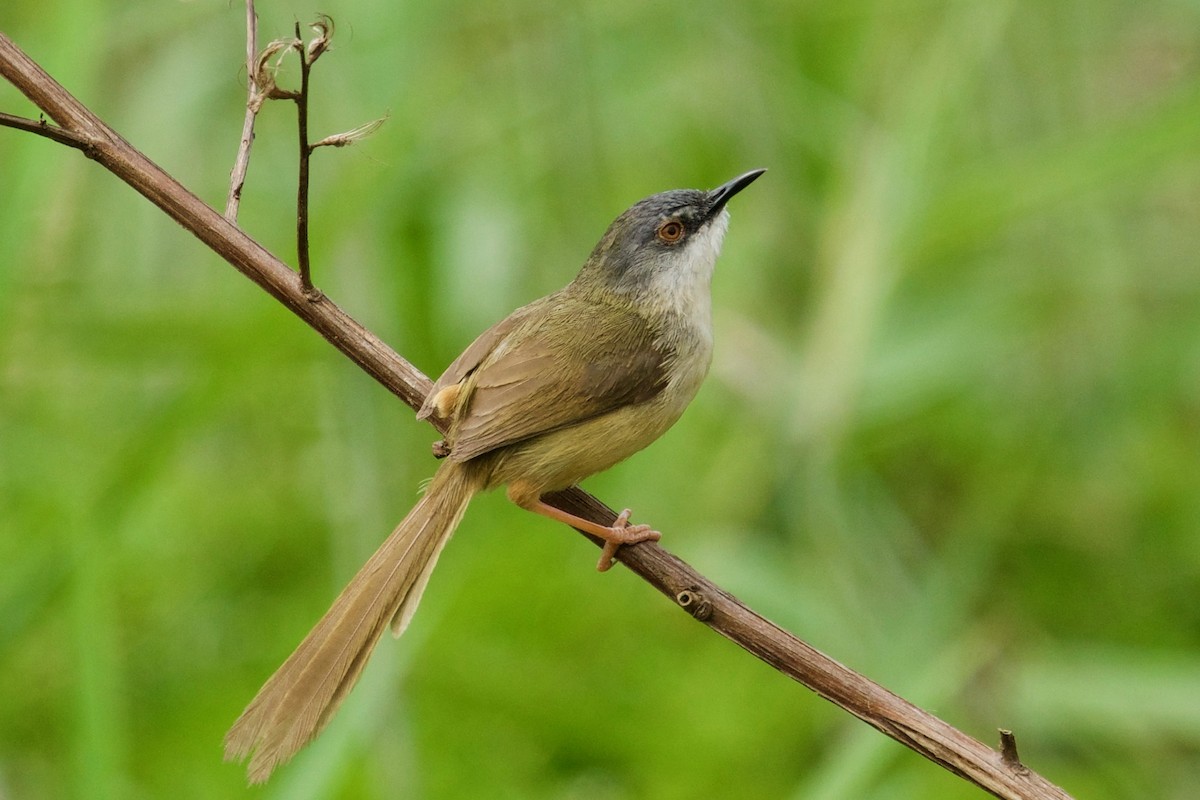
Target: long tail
point(301, 697)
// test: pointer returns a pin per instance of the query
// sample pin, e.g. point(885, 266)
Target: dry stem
point(241, 164)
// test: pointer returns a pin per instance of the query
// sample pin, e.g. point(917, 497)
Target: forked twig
point(262, 68)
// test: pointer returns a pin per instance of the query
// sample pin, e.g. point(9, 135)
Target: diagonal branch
point(999, 773)
point(119, 157)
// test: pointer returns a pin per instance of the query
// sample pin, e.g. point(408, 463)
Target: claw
point(621, 532)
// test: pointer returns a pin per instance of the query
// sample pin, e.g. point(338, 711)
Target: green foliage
point(952, 434)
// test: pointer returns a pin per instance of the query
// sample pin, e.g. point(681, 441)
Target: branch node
point(695, 603)
point(1008, 752)
point(441, 448)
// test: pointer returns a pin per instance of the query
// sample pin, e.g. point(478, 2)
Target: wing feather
point(565, 370)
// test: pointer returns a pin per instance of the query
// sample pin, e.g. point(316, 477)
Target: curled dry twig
point(351, 136)
point(266, 68)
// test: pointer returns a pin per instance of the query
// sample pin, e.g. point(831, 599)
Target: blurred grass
point(952, 434)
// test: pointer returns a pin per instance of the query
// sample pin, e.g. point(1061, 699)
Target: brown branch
point(116, 155)
point(936, 740)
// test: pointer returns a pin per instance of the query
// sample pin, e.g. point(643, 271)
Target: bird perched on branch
point(561, 389)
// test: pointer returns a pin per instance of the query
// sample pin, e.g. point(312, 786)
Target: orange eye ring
point(671, 231)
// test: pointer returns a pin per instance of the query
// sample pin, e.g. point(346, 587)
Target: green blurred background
point(951, 436)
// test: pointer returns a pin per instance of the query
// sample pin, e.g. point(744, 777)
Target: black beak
point(722, 194)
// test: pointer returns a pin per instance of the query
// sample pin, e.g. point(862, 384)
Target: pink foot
point(621, 533)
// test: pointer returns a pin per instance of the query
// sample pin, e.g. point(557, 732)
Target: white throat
point(686, 283)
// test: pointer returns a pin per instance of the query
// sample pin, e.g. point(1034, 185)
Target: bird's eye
point(671, 231)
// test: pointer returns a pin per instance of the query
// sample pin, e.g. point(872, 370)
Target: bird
point(561, 389)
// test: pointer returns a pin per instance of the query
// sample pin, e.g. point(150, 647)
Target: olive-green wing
point(556, 368)
point(468, 361)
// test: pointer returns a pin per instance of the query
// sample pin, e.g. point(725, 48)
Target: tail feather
point(301, 697)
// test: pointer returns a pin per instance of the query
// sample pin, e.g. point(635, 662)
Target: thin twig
point(237, 177)
point(308, 56)
point(43, 128)
point(899, 719)
point(302, 184)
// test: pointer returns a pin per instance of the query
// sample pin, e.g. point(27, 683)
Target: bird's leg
point(619, 533)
